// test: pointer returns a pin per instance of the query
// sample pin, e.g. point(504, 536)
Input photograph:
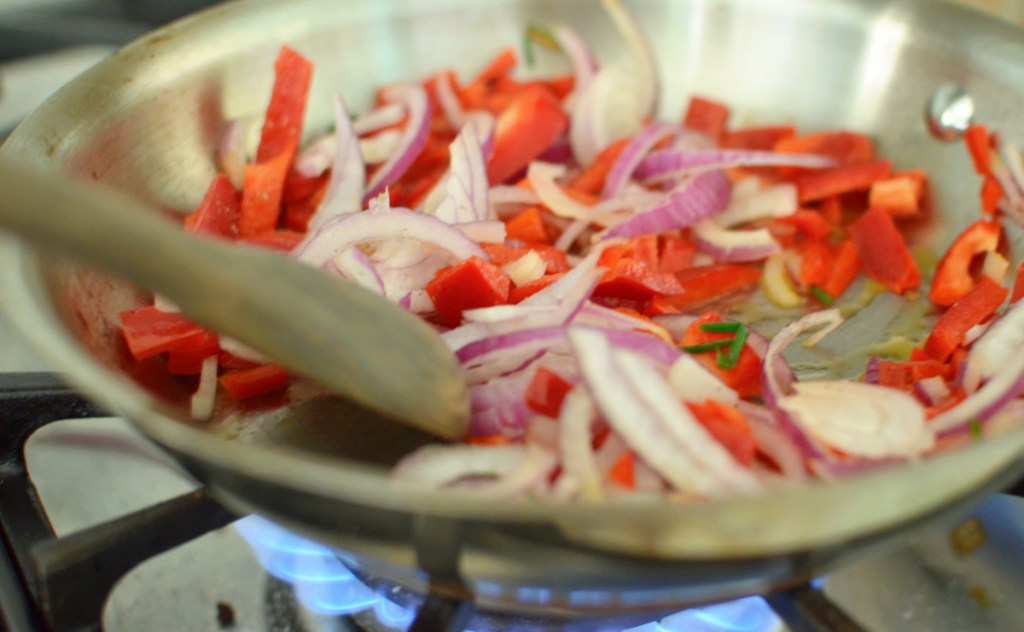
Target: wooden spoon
point(338, 334)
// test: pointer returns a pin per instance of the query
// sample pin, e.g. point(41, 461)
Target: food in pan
point(604, 276)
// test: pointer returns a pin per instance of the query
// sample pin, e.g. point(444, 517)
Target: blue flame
point(325, 586)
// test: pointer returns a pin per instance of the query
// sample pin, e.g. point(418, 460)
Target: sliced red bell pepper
point(475, 92)
point(706, 116)
point(282, 127)
point(219, 211)
point(845, 268)
point(282, 240)
point(526, 128)
point(846, 148)
point(831, 209)
point(973, 309)
point(262, 189)
point(527, 225)
point(466, 285)
point(522, 292)
point(728, 426)
point(979, 144)
point(810, 224)
point(903, 375)
point(900, 195)
point(883, 253)
point(701, 284)
point(591, 180)
point(491, 440)
point(259, 380)
point(759, 138)
point(818, 185)
point(546, 392)
point(189, 360)
point(953, 279)
point(623, 471)
point(149, 331)
point(1018, 284)
point(632, 280)
point(745, 377)
point(817, 263)
point(500, 254)
point(991, 193)
point(676, 253)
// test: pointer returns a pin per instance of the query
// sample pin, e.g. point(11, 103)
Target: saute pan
point(147, 122)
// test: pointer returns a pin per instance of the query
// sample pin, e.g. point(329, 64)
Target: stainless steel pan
point(147, 121)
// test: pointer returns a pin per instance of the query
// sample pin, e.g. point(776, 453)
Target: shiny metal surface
point(146, 122)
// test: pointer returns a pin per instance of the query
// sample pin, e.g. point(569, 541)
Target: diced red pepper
point(522, 292)
point(676, 253)
point(728, 426)
point(979, 144)
point(808, 223)
point(591, 180)
point(259, 380)
point(953, 278)
point(903, 375)
point(701, 284)
point(261, 195)
point(527, 127)
point(759, 138)
point(973, 309)
point(282, 240)
point(467, 285)
point(218, 213)
point(474, 94)
point(546, 392)
point(623, 471)
point(883, 253)
point(630, 279)
point(745, 377)
point(1018, 284)
point(845, 268)
point(818, 185)
point(491, 440)
point(846, 148)
point(149, 331)
point(816, 264)
point(282, 127)
point(831, 209)
point(501, 254)
point(706, 116)
point(189, 360)
point(527, 225)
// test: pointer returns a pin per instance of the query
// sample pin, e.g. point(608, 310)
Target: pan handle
point(807, 609)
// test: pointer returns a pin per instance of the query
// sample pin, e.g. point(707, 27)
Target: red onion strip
point(414, 138)
point(467, 184)
point(698, 199)
point(348, 176)
point(734, 245)
point(637, 148)
point(672, 163)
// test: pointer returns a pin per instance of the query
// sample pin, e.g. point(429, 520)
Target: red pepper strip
point(218, 213)
point(501, 254)
point(546, 392)
point(282, 126)
point(629, 279)
point(261, 195)
point(831, 208)
point(760, 138)
point(819, 185)
point(1018, 284)
point(520, 293)
point(706, 116)
point(473, 95)
point(466, 285)
point(527, 225)
point(676, 254)
point(643, 249)
point(623, 472)
point(705, 283)
point(523, 131)
point(816, 264)
point(283, 240)
point(810, 224)
point(903, 375)
point(900, 195)
point(979, 143)
point(953, 280)
point(845, 268)
point(591, 180)
point(489, 440)
point(246, 383)
point(728, 426)
point(189, 360)
point(745, 377)
point(973, 309)
point(230, 361)
point(846, 148)
point(149, 331)
point(991, 193)
point(883, 253)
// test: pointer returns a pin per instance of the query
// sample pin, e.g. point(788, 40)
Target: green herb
point(540, 35)
point(822, 295)
point(975, 428)
point(714, 345)
point(730, 359)
point(721, 328)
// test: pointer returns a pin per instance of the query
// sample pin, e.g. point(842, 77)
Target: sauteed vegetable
point(593, 269)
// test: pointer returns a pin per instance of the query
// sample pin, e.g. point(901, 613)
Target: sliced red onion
point(688, 204)
point(779, 200)
point(414, 137)
point(344, 231)
point(530, 476)
point(931, 390)
point(1003, 387)
point(645, 73)
point(379, 118)
point(575, 442)
point(355, 266)
point(233, 151)
point(451, 107)
point(509, 469)
point(488, 231)
point(773, 442)
point(477, 352)
point(864, 420)
point(733, 246)
point(993, 352)
point(525, 269)
point(511, 359)
point(677, 324)
point(635, 400)
point(503, 420)
point(692, 382)
point(348, 176)
point(165, 304)
point(587, 133)
point(652, 348)
point(206, 393)
point(315, 158)
point(503, 194)
point(240, 350)
point(667, 164)
point(595, 315)
point(418, 302)
point(872, 370)
point(543, 431)
point(581, 57)
point(839, 469)
point(542, 177)
point(467, 186)
point(635, 151)
point(379, 147)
